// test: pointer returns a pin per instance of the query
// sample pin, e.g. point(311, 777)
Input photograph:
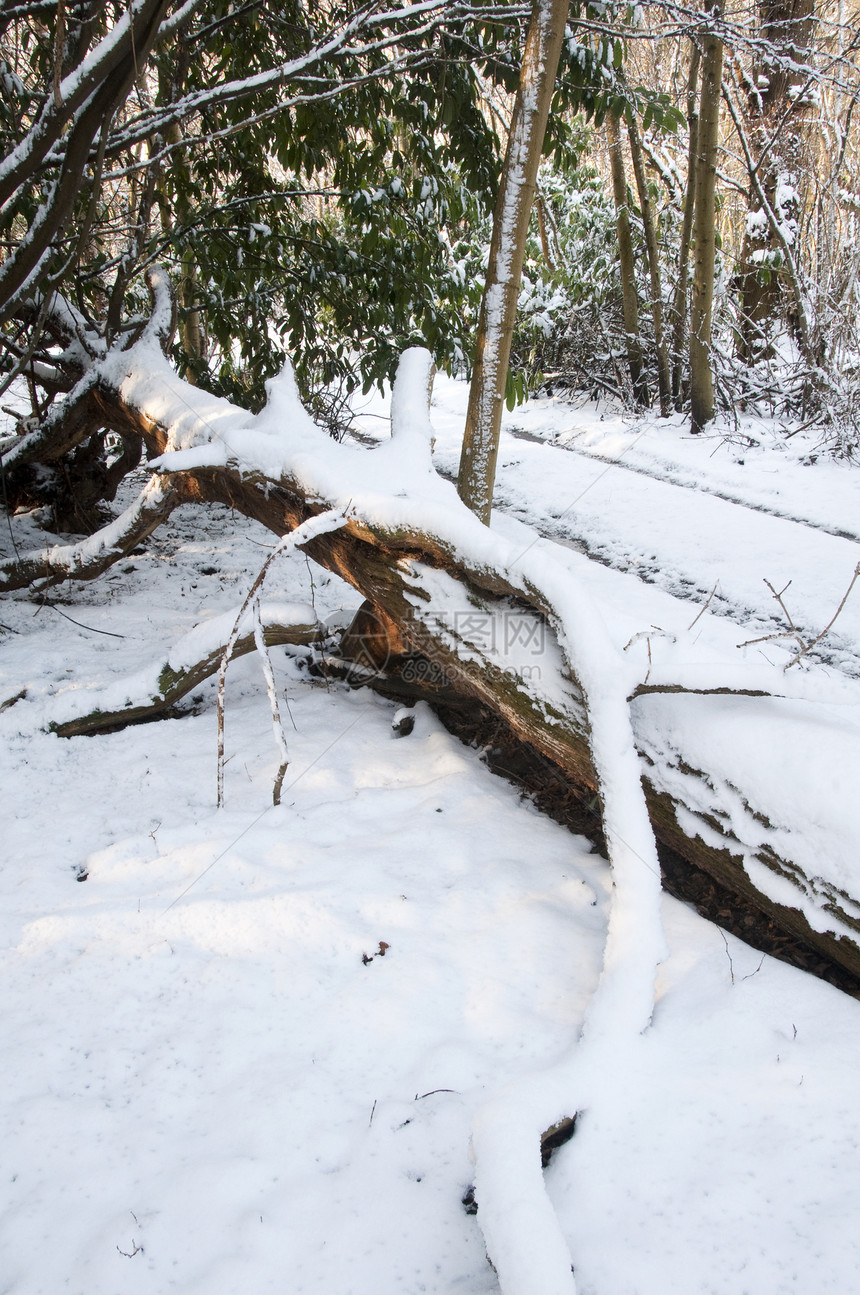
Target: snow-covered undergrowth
point(248, 1050)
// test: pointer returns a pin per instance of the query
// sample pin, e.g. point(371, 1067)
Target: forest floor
point(244, 1047)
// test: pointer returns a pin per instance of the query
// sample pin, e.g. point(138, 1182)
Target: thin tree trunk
point(190, 324)
point(679, 307)
point(507, 250)
point(649, 222)
point(704, 230)
point(629, 296)
point(540, 209)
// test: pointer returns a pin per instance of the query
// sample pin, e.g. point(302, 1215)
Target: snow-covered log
point(457, 611)
point(456, 614)
point(90, 557)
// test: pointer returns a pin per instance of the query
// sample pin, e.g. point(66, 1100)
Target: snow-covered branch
point(90, 557)
point(195, 658)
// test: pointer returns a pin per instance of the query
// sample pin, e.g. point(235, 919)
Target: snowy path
point(760, 467)
point(632, 523)
point(673, 474)
point(688, 540)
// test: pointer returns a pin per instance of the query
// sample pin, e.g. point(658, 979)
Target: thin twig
point(750, 974)
point(331, 520)
point(793, 631)
point(91, 629)
point(827, 627)
point(269, 675)
point(766, 638)
point(705, 606)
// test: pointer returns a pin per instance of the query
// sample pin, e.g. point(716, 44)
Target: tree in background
point(680, 303)
point(704, 227)
point(779, 96)
point(806, 279)
point(626, 261)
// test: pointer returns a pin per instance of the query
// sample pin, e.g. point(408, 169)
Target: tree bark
point(507, 251)
point(627, 263)
point(704, 229)
point(679, 307)
point(649, 224)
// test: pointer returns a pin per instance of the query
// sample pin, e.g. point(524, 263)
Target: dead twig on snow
point(804, 647)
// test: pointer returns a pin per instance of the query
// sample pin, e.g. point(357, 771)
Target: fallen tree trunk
point(90, 557)
point(360, 659)
point(697, 814)
point(409, 644)
point(455, 614)
point(434, 629)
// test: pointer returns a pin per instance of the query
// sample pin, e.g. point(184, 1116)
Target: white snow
point(218, 1079)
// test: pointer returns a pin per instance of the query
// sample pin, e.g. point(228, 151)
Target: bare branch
point(804, 646)
point(809, 646)
point(321, 524)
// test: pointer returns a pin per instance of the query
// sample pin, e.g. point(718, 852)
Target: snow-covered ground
point(244, 1048)
point(689, 514)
